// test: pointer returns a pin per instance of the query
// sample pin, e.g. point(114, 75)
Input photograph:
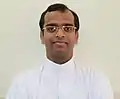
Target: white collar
point(54, 67)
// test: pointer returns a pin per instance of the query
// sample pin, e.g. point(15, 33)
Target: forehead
point(59, 18)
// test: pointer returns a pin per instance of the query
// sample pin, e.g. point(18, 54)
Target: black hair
point(58, 7)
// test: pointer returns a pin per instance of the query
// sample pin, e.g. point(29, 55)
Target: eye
point(68, 28)
point(51, 29)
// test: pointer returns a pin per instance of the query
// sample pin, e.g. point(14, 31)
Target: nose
point(60, 33)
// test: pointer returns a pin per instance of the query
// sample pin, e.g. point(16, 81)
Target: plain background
point(98, 46)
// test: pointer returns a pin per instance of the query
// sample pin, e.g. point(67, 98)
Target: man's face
point(59, 42)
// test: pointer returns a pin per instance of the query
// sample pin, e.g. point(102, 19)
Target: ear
point(77, 37)
point(42, 37)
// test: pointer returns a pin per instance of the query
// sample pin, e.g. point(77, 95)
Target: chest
point(59, 87)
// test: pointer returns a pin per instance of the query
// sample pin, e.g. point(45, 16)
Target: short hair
point(58, 7)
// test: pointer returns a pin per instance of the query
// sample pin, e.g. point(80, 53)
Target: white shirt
point(55, 81)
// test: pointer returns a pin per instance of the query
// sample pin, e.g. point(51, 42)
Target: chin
point(60, 51)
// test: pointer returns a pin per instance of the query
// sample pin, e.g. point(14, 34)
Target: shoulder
point(89, 72)
point(92, 75)
point(27, 76)
point(98, 84)
point(23, 83)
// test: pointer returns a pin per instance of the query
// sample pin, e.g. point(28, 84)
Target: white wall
point(20, 47)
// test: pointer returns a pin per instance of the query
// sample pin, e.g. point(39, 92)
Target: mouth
point(60, 42)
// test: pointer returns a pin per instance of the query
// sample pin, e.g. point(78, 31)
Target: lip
point(60, 42)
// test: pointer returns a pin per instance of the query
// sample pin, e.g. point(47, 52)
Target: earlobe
point(42, 42)
point(77, 37)
point(41, 37)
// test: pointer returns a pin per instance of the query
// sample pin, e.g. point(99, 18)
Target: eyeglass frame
point(60, 27)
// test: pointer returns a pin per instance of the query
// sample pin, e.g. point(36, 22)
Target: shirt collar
point(54, 67)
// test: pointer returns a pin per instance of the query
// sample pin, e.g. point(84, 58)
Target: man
point(59, 77)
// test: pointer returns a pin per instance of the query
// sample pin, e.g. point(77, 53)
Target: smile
point(60, 42)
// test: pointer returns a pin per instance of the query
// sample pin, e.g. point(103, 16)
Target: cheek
point(73, 39)
point(47, 39)
point(76, 39)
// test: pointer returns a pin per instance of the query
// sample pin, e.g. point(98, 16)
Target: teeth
point(60, 43)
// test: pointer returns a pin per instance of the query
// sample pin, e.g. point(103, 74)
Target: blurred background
point(21, 49)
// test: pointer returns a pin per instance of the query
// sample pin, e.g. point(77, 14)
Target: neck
point(59, 59)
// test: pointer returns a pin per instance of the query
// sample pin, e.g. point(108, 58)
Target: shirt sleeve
point(100, 87)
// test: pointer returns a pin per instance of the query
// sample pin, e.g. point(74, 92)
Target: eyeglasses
point(54, 29)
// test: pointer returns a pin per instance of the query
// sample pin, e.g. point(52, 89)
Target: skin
point(59, 46)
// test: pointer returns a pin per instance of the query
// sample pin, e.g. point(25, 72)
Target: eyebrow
point(51, 24)
point(54, 24)
point(67, 24)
